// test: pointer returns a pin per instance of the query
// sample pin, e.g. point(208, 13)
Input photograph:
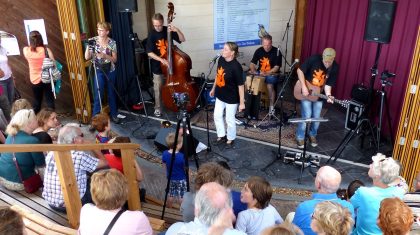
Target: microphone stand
point(286, 34)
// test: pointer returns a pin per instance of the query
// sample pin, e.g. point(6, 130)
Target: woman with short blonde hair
point(109, 189)
point(330, 218)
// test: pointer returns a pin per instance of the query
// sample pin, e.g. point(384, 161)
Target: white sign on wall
point(39, 25)
point(238, 20)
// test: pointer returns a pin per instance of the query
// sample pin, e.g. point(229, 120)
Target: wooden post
point(69, 186)
point(128, 159)
point(299, 28)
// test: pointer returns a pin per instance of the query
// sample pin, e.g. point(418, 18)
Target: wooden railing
point(67, 177)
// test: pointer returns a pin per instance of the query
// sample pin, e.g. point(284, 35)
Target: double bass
point(177, 73)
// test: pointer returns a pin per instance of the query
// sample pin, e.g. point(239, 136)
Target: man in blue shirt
point(327, 182)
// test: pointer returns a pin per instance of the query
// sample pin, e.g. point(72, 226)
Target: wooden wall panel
point(407, 142)
point(13, 12)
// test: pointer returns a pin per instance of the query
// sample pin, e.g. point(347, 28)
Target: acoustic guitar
point(314, 94)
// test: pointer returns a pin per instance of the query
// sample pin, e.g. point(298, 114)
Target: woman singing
point(229, 91)
point(103, 50)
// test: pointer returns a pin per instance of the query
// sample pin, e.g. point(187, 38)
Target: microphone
point(215, 58)
point(294, 63)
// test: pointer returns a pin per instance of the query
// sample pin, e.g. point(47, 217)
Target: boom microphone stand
point(280, 97)
point(286, 34)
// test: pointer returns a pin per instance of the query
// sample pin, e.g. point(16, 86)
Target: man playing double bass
point(317, 71)
point(268, 59)
point(156, 49)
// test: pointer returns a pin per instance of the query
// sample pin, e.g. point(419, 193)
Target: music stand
point(307, 121)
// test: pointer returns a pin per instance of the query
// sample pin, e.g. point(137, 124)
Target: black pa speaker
point(127, 5)
point(380, 19)
point(160, 140)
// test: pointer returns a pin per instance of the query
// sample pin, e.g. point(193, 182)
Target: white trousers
point(230, 119)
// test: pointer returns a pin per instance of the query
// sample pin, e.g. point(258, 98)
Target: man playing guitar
point(322, 72)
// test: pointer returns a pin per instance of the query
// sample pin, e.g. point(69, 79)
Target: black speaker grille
point(379, 21)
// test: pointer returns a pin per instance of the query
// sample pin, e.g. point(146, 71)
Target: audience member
point(327, 182)
point(353, 186)
point(176, 175)
point(47, 119)
point(115, 161)
point(330, 218)
point(342, 193)
point(413, 201)
point(395, 217)
point(102, 124)
point(7, 80)
point(19, 131)
point(109, 190)
point(212, 204)
point(35, 54)
point(83, 163)
point(366, 200)
point(399, 181)
point(11, 222)
point(209, 172)
point(257, 193)
point(18, 105)
point(282, 229)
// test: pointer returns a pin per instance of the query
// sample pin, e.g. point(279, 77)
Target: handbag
point(50, 69)
point(31, 184)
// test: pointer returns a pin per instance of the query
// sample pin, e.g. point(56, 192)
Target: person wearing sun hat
point(320, 71)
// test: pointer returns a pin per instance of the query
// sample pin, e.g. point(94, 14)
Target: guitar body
point(297, 91)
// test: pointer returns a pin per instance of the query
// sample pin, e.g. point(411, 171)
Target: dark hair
point(342, 193)
point(120, 139)
point(11, 222)
point(100, 121)
point(35, 40)
point(43, 116)
point(353, 186)
point(261, 190)
point(213, 172)
point(224, 164)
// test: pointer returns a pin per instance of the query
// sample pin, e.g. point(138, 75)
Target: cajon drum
point(256, 86)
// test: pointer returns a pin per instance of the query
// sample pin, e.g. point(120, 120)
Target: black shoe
point(220, 141)
point(115, 120)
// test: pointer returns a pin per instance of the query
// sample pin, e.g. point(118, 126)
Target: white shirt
point(4, 65)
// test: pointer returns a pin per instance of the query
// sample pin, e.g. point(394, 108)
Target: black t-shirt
point(266, 60)
point(228, 78)
point(43, 137)
point(157, 42)
point(316, 73)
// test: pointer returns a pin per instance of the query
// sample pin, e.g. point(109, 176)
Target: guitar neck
point(325, 97)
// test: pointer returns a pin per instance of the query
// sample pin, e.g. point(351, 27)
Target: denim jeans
point(8, 89)
point(109, 81)
point(309, 109)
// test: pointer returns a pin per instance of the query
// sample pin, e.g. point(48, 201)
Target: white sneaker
point(157, 113)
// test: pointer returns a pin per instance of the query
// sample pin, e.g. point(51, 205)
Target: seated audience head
point(384, 170)
point(416, 183)
point(282, 229)
point(210, 202)
point(11, 222)
point(23, 120)
point(18, 105)
point(353, 186)
point(70, 134)
point(342, 193)
point(170, 141)
point(395, 217)
point(116, 140)
point(331, 218)
point(327, 180)
point(47, 118)
point(213, 172)
point(101, 122)
point(109, 189)
point(256, 192)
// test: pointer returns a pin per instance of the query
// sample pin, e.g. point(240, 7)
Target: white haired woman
point(367, 200)
point(19, 131)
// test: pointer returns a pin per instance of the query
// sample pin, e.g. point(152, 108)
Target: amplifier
point(360, 94)
point(354, 111)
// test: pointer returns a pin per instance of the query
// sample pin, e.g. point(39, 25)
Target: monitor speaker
point(127, 5)
point(354, 112)
point(379, 22)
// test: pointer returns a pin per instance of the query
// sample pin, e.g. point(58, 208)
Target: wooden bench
point(153, 208)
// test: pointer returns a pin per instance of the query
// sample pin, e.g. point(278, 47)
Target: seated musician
point(268, 60)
